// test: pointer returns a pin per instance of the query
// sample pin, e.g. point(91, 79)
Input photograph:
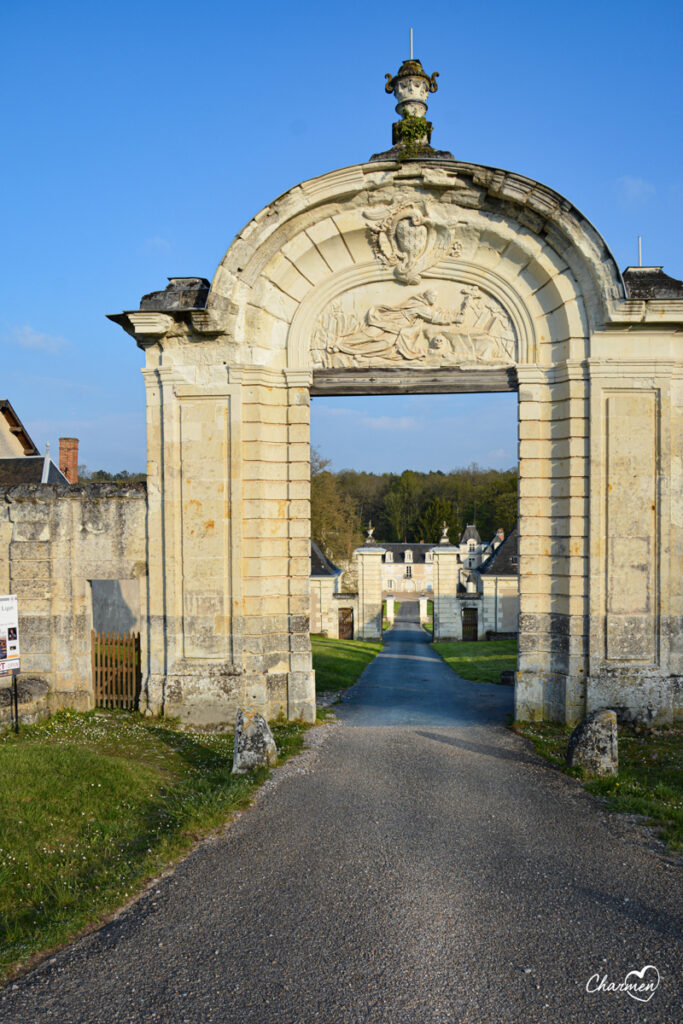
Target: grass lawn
point(650, 779)
point(92, 805)
point(480, 661)
point(338, 663)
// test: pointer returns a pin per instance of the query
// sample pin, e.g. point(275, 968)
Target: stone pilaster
point(635, 538)
point(553, 528)
point(369, 560)
point(447, 618)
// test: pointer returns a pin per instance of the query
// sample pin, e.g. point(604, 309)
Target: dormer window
point(409, 556)
point(389, 557)
point(429, 557)
point(472, 545)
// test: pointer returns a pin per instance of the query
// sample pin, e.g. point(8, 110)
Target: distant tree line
point(101, 476)
point(410, 507)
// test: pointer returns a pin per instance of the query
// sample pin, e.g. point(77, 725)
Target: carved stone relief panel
point(446, 324)
point(411, 237)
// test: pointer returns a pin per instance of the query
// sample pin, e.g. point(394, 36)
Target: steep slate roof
point(652, 283)
point(17, 428)
point(505, 559)
point(29, 470)
point(320, 563)
point(399, 551)
point(470, 533)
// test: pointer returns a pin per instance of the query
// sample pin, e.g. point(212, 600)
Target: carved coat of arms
point(411, 238)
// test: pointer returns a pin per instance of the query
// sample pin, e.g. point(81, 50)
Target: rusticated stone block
point(254, 743)
point(594, 745)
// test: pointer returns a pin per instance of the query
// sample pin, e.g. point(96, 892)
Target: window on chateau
point(389, 557)
point(409, 556)
point(409, 571)
point(429, 557)
point(390, 584)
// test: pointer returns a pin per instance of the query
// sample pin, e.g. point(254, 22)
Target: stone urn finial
point(370, 539)
point(444, 534)
point(411, 86)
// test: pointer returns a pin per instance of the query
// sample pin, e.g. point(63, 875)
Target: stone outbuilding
point(498, 586)
point(333, 613)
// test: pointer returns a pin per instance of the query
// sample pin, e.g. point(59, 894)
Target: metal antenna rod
point(640, 250)
point(411, 44)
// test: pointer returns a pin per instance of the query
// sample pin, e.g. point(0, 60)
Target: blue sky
point(140, 137)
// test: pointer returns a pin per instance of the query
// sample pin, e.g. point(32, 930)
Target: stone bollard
point(594, 745)
point(254, 743)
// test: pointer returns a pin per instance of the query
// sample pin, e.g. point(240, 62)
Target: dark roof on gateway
point(505, 559)
point(320, 563)
point(651, 283)
point(29, 470)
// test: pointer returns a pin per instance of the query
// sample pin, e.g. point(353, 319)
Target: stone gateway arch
point(414, 273)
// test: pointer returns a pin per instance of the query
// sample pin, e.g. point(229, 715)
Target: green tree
point(506, 510)
point(430, 521)
point(335, 525)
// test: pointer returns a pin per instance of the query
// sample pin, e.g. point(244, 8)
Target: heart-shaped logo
point(642, 984)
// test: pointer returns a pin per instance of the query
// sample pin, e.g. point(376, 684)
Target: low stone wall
point(56, 542)
point(32, 698)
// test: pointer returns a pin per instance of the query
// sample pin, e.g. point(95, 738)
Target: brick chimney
point(68, 458)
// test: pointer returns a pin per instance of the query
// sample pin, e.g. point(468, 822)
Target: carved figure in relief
point(411, 238)
point(477, 331)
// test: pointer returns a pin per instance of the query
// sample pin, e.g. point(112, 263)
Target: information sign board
point(9, 634)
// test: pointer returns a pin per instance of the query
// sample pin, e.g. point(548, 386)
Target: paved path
point(408, 684)
point(430, 871)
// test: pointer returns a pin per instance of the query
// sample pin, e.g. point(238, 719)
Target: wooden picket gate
point(116, 673)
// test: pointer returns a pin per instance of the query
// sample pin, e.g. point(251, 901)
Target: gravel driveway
point(419, 865)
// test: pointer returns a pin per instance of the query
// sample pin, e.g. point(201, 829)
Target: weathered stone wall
point(500, 604)
point(53, 541)
point(325, 605)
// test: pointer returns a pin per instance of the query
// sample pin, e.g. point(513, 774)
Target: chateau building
point(409, 568)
